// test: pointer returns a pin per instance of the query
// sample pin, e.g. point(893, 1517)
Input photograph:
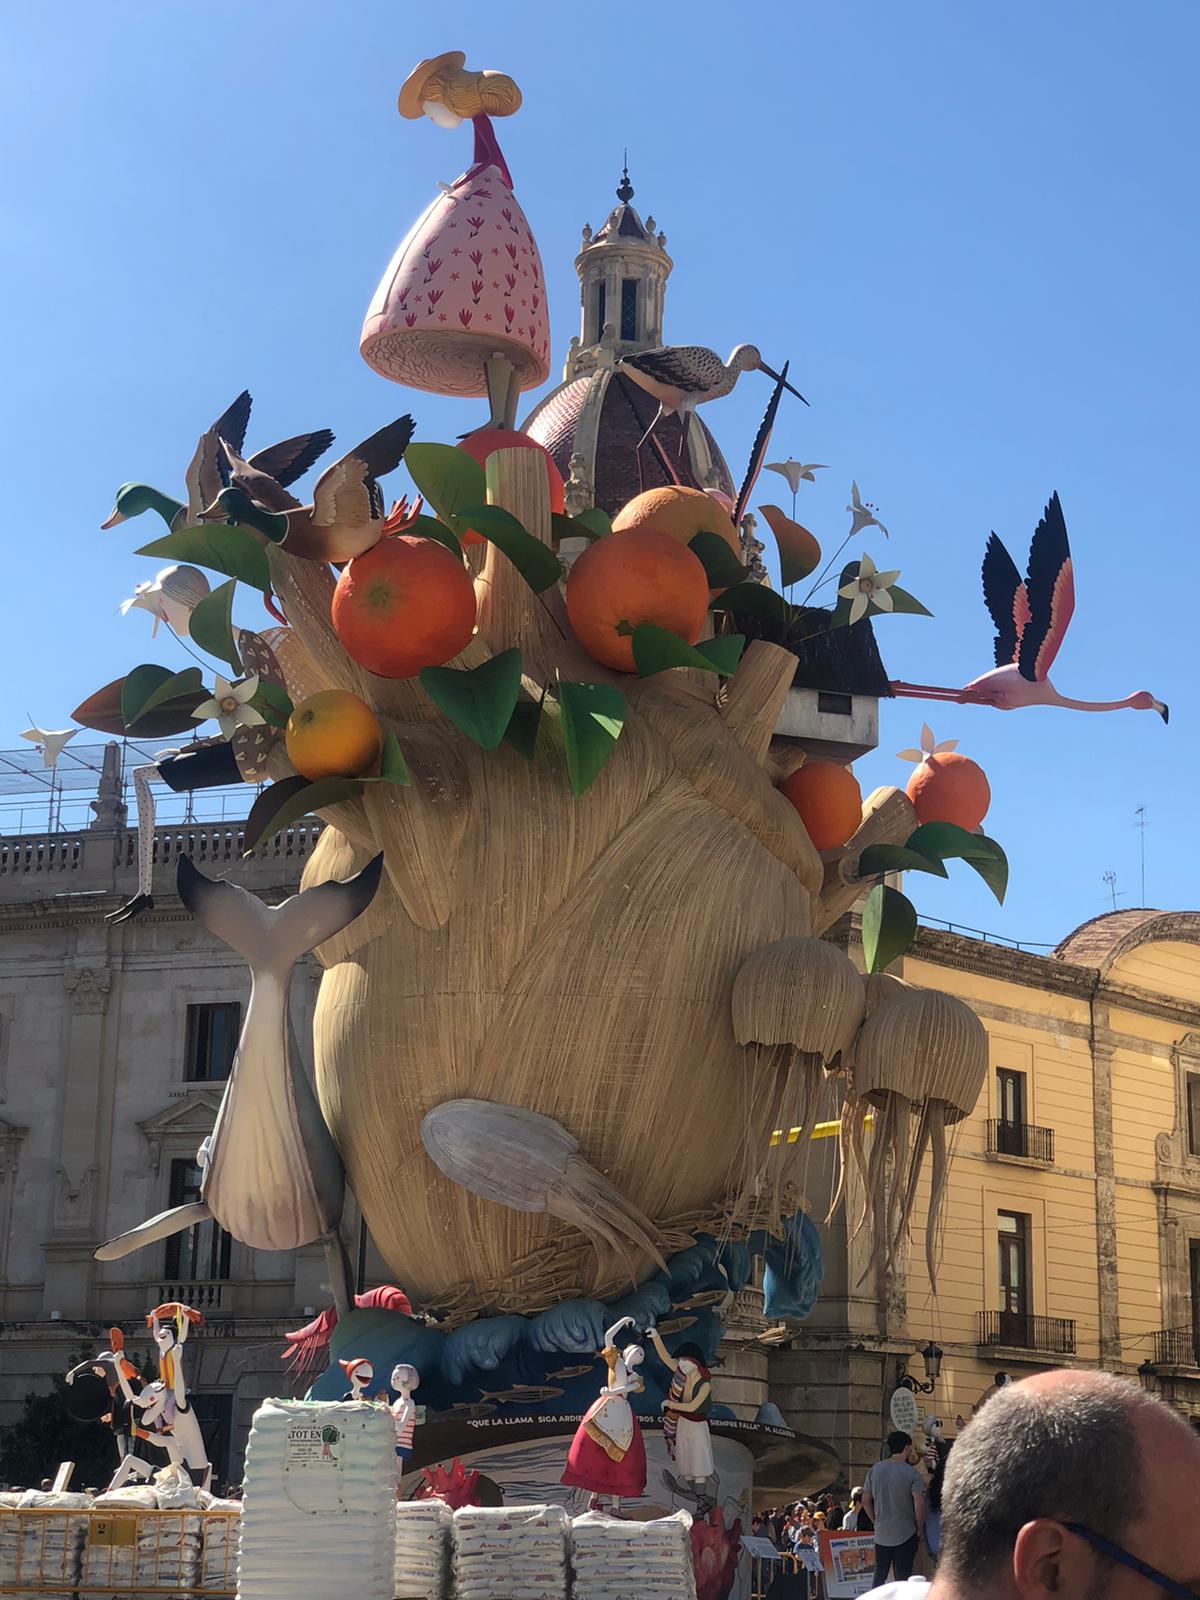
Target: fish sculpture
point(272, 1176)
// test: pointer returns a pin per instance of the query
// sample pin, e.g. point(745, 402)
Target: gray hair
point(1069, 1452)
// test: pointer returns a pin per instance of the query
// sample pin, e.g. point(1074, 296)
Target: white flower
point(171, 598)
point(230, 705)
point(796, 472)
point(49, 741)
point(929, 747)
point(863, 513)
point(869, 588)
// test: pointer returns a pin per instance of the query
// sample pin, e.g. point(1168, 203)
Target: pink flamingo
point(1031, 620)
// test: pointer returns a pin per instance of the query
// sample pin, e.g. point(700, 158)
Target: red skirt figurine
point(608, 1455)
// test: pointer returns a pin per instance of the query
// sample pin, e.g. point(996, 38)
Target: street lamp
point(1148, 1373)
point(931, 1355)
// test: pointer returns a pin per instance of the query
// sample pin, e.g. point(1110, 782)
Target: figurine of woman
point(686, 1409)
point(359, 1373)
point(404, 1413)
point(608, 1455)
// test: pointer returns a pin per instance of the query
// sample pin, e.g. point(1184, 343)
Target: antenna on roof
point(1110, 878)
point(1140, 825)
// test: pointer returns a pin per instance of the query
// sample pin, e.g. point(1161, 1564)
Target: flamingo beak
point(1162, 708)
point(776, 377)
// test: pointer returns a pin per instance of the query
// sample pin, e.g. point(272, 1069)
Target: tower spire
point(625, 188)
point(623, 269)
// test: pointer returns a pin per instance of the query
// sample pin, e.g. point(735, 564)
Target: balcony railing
point(1177, 1347)
point(1020, 1139)
point(1017, 1330)
point(206, 1296)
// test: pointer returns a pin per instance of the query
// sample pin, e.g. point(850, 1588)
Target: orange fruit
point(683, 513)
point(828, 799)
point(627, 578)
point(333, 734)
point(405, 604)
point(486, 441)
point(948, 787)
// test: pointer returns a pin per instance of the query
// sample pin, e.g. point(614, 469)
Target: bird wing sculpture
point(1007, 600)
point(204, 477)
point(1050, 586)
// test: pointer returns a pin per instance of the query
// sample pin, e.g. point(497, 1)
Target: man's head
point(1069, 1447)
point(899, 1444)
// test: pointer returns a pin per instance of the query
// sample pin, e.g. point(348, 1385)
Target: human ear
point(1045, 1562)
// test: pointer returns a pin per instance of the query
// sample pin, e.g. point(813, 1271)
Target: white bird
point(171, 597)
point(49, 743)
point(683, 376)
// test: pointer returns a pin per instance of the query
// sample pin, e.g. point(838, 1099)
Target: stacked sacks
point(219, 1546)
point(422, 1549)
point(319, 1503)
point(165, 1555)
point(618, 1560)
point(508, 1551)
point(41, 1550)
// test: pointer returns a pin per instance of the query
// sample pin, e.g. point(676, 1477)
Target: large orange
point(333, 734)
point(948, 787)
point(627, 578)
point(486, 441)
point(681, 512)
point(828, 799)
point(405, 604)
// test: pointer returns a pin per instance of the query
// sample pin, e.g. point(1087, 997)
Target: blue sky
point(970, 228)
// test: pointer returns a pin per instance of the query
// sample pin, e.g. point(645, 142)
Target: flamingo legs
point(926, 691)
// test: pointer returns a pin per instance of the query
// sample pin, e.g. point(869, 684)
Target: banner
point(848, 1560)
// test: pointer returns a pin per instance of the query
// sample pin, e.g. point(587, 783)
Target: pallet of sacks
point(510, 1553)
point(614, 1559)
point(164, 1558)
point(423, 1530)
point(41, 1540)
point(219, 1535)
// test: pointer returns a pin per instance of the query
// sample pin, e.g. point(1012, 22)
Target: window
point(1010, 1105)
point(629, 308)
point(600, 308)
point(212, 1035)
point(1192, 1085)
point(832, 704)
point(214, 1413)
point(1012, 1229)
point(200, 1253)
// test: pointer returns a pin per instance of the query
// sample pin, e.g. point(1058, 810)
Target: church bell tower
point(623, 270)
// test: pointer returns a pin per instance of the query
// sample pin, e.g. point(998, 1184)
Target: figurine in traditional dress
point(359, 1373)
point(685, 1412)
point(608, 1455)
point(404, 1414)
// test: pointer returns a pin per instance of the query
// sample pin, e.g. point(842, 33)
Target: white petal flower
point(230, 706)
point(863, 513)
point(858, 606)
point(868, 587)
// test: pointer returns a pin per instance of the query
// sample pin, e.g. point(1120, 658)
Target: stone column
point(1106, 1192)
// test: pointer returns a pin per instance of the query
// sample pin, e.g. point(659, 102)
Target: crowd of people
point(794, 1528)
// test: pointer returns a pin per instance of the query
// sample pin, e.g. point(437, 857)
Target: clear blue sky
point(971, 228)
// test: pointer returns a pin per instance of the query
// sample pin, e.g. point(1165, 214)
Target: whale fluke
point(160, 1227)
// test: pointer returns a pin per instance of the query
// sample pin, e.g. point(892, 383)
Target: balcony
point(1177, 1347)
point(1020, 1140)
point(1018, 1330)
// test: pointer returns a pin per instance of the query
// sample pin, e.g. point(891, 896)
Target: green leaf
point(593, 518)
point(479, 701)
point(290, 799)
point(211, 625)
point(889, 923)
point(943, 840)
point(570, 528)
point(725, 651)
point(718, 560)
point(535, 561)
point(753, 600)
point(180, 685)
point(447, 477)
point(896, 858)
point(141, 688)
point(392, 767)
point(593, 715)
point(657, 649)
point(219, 546)
point(273, 702)
point(523, 725)
point(903, 602)
point(102, 710)
point(431, 528)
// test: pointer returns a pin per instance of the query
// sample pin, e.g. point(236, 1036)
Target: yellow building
point(1070, 1230)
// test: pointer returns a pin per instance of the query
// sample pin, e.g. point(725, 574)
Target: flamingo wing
point(1006, 599)
point(1051, 589)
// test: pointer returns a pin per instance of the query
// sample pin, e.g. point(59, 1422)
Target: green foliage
point(273, 703)
point(392, 766)
point(878, 858)
point(289, 800)
point(447, 477)
point(593, 715)
point(943, 840)
point(480, 701)
point(150, 688)
point(597, 522)
point(718, 560)
point(221, 547)
point(889, 922)
point(45, 1434)
point(657, 649)
point(430, 528)
point(523, 726)
point(754, 600)
point(211, 625)
point(724, 652)
point(535, 561)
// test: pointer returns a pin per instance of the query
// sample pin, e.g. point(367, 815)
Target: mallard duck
point(347, 514)
point(207, 473)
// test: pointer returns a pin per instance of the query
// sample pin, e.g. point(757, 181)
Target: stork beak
point(1163, 709)
point(774, 375)
point(111, 521)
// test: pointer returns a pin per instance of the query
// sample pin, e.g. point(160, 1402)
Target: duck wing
point(347, 492)
point(262, 488)
point(231, 424)
point(205, 476)
point(1051, 588)
point(1005, 596)
point(291, 458)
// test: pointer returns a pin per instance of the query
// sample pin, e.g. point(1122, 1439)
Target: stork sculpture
point(683, 376)
point(1031, 618)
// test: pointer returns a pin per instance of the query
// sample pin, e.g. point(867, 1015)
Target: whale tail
point(273, 938)
point(160, 1227)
